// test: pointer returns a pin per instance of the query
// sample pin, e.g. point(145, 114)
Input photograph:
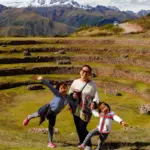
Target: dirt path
point(130, 28)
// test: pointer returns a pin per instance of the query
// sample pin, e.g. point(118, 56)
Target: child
point(104, 127)
point(50, 110)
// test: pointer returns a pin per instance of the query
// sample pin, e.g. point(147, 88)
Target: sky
point(134, 5)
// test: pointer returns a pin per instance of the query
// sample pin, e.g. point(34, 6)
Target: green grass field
point(17, 103)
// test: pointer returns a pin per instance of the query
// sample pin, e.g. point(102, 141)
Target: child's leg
point(52, 120)
point(102, 138)
point(34, 115)
point(90, 135)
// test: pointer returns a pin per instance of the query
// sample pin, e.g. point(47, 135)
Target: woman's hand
point(92, 106)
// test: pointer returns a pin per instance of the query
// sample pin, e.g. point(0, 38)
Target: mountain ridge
point(123, 5)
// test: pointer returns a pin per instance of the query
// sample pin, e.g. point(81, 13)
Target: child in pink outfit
point(104, 127)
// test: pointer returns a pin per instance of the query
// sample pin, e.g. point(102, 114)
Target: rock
point(93, 75)
point(124, 56)
point(113, 92)
point(35, 87)
point(145, 109)
point(4, 45)
point(60, 52)
point(27, 53)
point(118, 94)
point(63, 62)
point(42, 130)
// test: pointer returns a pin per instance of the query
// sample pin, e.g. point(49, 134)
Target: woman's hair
point(59, 84)
point(90, 69)
point(105, 105)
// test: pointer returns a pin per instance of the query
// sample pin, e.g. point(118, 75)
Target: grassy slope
point(23, 102)
point(17, 103)
point(29, 24)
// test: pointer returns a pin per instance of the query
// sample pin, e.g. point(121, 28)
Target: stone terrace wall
point(101, 59)
point(39, 70)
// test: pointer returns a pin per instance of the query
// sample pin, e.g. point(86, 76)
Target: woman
point(84, 91)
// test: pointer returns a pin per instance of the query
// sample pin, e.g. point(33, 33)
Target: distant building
point(116, 23)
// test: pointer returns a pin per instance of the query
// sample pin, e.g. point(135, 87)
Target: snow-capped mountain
point(122, 5)
point(42, 3)
point(134, 5)
point(113, 8)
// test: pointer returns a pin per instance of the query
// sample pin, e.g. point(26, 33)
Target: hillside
point(140, 25)
point(20, 22)
point(55, 20)
point(143, 22)
point(77, 17)
point(121, 70)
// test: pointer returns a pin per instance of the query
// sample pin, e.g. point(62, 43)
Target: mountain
point(134, 5)
point(43, 3)
point(114, 8)
point(143, 13)
point(71, 16)
point(61, 18)
point(123, 5)
point(49, 3)
point(77, 17)
point(2, 7)
point(20, 22)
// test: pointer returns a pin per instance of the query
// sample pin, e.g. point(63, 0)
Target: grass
point(15, 136)
point(19, 78)
point(17, 103)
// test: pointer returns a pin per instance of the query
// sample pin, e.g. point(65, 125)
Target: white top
point(89, 91)
point(105, 122)
point(89, 94)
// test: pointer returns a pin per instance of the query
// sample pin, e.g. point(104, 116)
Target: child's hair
point(104, 104)
point(90, 69)
point(59, 84)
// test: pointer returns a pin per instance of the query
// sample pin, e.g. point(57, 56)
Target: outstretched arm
point(50, 86)
point(95, 113)
point(119, 120)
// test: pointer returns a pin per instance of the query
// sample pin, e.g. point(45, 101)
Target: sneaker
point(26, 121)
point(81, 146)
point(51, 145)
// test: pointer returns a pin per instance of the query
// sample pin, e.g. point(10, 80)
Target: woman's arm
point(71, 88)
point(96, 96)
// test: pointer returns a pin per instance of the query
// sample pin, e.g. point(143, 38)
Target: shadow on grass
point(115, 145)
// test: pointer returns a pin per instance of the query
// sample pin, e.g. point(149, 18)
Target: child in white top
point(105, 123)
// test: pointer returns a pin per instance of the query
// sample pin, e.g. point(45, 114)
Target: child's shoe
point(26, 121)
point(81, 146)
point(51, 145)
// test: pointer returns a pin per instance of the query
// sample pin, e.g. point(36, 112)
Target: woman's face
point(85, 73)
